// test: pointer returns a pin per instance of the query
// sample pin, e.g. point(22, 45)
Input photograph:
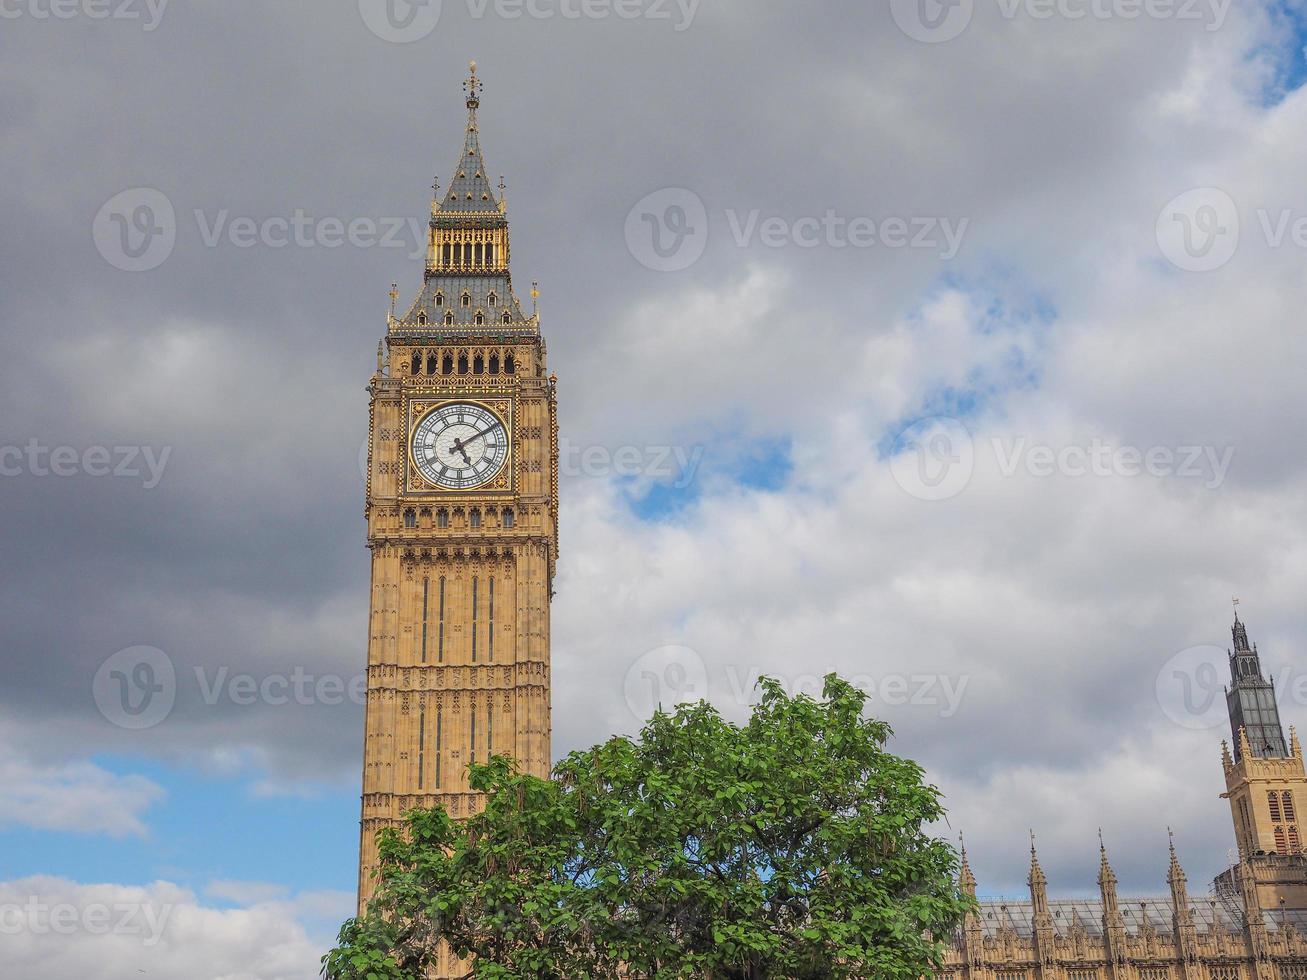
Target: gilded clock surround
point(458, 636)
point(420, 408)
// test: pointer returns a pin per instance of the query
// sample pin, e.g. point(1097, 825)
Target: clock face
point(460, 446)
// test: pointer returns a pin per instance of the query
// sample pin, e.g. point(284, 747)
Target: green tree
point(794, 846)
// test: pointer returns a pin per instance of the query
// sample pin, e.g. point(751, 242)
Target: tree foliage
point(795, 846)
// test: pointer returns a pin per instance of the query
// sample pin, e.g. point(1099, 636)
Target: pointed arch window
point(494, 363)
point(462, 364)
point(509, 517)
point(415, 364)
point(465, 299)
point(490, 253)
point(440, 717)
point(410, 518)
point(440, 627)
point(1273, 801)
point(492, 299)
point(448, 366)
point(442, 518)
point(475, 583)
point(426, 605)
point(479, 319)
point(440, 298)
point(449, 319)
point(510, 365)
point(505, 317)
point(1286, 798)
point(422, 741)
point(474, 519)
point(431, 364)
point(478, 362)
point(422, 318)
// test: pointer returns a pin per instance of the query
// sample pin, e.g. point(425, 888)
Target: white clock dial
point(460, 446)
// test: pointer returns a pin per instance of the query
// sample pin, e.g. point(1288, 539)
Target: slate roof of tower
point(479, 289)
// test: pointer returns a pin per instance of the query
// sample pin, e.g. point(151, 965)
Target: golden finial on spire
point(472, 86)
point(394, 296)
point(535, 298)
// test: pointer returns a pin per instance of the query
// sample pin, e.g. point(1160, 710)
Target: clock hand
point(459, 446)
point(484, 432)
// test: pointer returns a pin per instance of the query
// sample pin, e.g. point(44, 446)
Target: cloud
point(77, 797)
point(64, 930)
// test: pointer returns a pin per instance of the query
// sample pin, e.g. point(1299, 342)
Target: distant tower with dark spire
point(1265, 784)
point(1250, 700)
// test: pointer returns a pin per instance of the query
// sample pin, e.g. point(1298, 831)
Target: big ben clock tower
point(462, 507)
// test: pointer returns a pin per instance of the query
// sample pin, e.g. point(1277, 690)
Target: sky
point(954, 348)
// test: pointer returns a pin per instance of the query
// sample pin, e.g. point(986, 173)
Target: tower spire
point(1250, 699)
point(467, 283)
point(966, 879)
point(1037, 882)
point(469, 190)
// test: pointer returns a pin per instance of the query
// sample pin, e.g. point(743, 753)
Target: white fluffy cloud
point(62, 930)
point(73, 796)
